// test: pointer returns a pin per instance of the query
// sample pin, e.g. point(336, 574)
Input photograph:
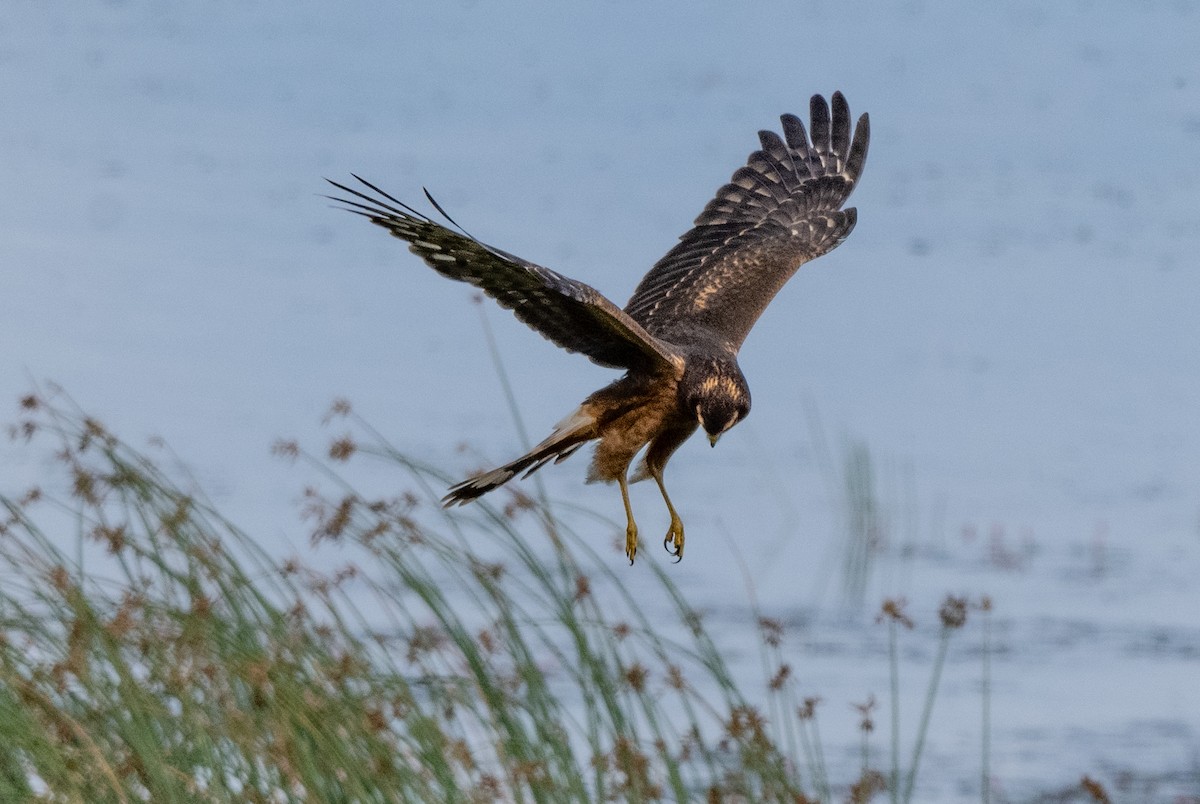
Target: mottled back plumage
point(679, 335)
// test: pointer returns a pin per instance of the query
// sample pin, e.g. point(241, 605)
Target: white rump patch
point(577, 419)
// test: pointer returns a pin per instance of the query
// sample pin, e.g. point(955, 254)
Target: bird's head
point(720, 399)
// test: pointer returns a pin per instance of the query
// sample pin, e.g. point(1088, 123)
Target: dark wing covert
point(571, 314)
point(779, 211)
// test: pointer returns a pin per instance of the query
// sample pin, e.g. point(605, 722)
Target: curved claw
point(673, 541)
point(631, 541)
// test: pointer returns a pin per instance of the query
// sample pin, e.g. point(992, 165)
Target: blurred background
point(991, 388)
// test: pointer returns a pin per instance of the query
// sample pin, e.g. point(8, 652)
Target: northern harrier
point(678, 337)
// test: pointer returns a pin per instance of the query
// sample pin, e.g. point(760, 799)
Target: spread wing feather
point(573, 315)
point(782, 209)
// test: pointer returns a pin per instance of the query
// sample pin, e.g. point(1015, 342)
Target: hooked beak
point(712, 439)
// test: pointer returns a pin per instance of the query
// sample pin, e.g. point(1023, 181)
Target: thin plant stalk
point(985, 716)
point(926, 712)
point(866, 752)
point(810, 741)
point(894, 673)
point(514, 409)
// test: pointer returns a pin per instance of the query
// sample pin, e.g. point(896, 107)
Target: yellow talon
point(673, 541)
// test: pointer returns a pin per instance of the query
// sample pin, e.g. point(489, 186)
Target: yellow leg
point(631, 528)
point(673, 541)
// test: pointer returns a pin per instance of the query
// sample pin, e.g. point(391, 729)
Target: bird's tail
point(569, 435)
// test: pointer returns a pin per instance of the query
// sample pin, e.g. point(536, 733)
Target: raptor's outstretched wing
point(779, 211)
point(571, 314)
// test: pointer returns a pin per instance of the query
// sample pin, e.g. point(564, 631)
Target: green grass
point(151, 651)
point(448, 657)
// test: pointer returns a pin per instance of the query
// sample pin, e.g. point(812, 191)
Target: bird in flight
point(678, 337)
